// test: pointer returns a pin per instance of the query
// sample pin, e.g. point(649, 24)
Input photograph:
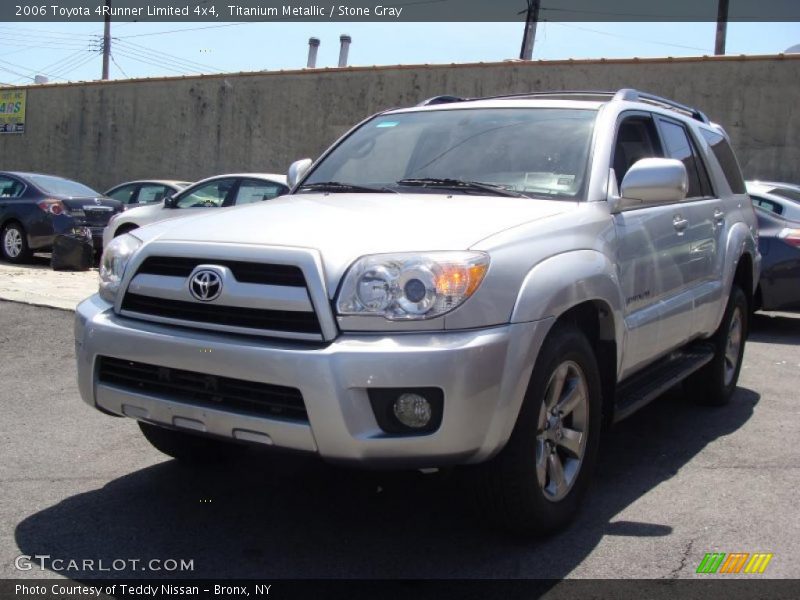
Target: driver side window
point(209, 195)
point(636, 139)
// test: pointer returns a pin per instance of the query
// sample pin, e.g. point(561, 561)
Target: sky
point(70, 51)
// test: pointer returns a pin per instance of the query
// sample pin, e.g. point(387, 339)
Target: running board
point(647, 385)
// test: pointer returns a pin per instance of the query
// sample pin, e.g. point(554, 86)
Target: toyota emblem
point(205, 285)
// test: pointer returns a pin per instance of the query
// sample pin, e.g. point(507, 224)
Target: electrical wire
point(141, 59)
point(75, 67)
point(114, 60)
point(177, 60)
point(616, 35)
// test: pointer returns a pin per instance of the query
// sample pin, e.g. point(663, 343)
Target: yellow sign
point(12, 111)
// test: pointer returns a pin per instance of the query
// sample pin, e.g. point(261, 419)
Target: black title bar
point(224, 11)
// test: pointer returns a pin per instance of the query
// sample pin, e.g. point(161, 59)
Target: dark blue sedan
point(35, 207)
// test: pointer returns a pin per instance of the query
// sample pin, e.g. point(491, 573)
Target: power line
point(147, 61)
point(114, 60)
point(189, 64)
point(616, 35)
point(62, 74)
point(188, 29)
point(67, 34)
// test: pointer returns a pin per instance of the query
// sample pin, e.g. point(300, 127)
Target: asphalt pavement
point(674, 482)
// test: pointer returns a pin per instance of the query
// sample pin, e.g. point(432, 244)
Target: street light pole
point(531, 19)
point(106, 40)
point(722, 27)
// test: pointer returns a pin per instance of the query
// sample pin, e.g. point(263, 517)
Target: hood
point(343, 227)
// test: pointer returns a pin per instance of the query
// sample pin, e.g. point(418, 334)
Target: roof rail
point(625, 94)
point(442, 100)
point(555, 93)
point(631, 95)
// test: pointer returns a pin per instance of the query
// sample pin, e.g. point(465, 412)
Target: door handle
point(680, 224)
point(719, 217)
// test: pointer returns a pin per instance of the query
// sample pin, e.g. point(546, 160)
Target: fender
point(565, 280)
point(740, 241)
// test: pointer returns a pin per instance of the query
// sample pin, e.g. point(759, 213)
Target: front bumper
point(483, 373)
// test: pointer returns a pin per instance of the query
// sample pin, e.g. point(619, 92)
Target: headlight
point(411, 286)
point(112, 265)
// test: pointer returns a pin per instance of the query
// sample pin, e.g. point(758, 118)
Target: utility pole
point(722, 27)
point(106, 40)
point(532, 18)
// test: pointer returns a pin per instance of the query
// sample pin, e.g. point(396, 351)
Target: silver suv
point(486, 282)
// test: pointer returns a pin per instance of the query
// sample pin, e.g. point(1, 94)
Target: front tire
point(535, 484)
point(714, 384)
point(14, 244)
point(190, 448)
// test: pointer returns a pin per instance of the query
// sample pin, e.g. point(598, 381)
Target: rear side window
point(727, 160)
point(786, 193)
point(10, 188)
point(679, 146)
point(767, 205)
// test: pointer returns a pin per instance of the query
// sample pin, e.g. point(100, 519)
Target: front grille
point(201, 389)
point(252, 318)
point(246, 272)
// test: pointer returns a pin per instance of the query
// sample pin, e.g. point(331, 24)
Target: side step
point(647, 385)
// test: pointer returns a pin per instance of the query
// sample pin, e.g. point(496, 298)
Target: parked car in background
point(215, 192)
point(145, 191)
point(29, 203)
point(777, 207)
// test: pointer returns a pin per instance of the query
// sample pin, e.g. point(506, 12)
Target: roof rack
point(631, 95)
point(625, 94)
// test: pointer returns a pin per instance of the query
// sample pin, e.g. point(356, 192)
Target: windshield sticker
point(388, 124)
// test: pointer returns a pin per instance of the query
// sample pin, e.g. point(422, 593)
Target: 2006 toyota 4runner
point(485, 281)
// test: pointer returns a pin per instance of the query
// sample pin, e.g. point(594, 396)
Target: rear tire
point(14, 244)
point(535, 484)
point(714, 384)
point(190, 448)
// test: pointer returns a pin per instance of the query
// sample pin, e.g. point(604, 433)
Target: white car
point(215, 192)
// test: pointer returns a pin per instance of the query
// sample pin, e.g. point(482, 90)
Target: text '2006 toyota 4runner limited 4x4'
point(466, 282)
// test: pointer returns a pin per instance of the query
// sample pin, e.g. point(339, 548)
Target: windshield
point(58, 186)
point(539, 152)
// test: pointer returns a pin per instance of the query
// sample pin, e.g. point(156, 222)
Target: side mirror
point(169, 201)
point(652, 181)
point(296, 171)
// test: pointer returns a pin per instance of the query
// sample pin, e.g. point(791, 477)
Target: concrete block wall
point(103, 133)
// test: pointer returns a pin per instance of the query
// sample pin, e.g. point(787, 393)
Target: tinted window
point(151, 192)
point(679, 146)
point(636, 139)
point(212, 194)
point(10, 188)
point(767, 205)
point(123, 194)
point(252, 190)
point(727, 160)
point(58, 186)
point(538, 151)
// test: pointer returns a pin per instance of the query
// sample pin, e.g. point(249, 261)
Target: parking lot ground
point(38, 284)
point(674, 482)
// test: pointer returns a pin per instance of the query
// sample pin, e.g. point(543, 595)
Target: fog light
point(412, 410)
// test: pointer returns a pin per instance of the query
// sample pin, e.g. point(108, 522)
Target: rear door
point(705, 229)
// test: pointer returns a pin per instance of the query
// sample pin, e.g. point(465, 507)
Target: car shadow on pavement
point(291, 516)
point(775, 328)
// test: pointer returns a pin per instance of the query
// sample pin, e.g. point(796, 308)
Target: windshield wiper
point(459, 184)
point(337, 186)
